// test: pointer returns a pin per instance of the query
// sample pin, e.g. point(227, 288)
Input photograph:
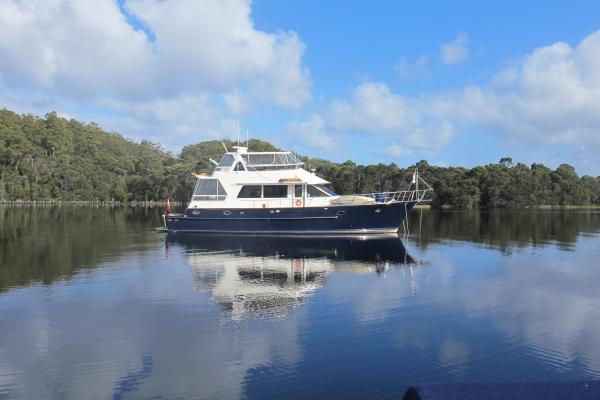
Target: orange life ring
point(298, 203)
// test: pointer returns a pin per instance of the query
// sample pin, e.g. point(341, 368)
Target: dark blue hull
point(372, 218)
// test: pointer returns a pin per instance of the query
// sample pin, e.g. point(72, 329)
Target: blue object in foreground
point(587, 390)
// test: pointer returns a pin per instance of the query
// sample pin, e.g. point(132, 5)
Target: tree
point(506, 161)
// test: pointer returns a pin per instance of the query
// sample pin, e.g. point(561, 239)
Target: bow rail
point(404, 196)
point(413, 194)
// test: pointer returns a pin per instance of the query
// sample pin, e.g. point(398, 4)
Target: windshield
point(226, 161)
point(318, 191)
point(327, 190)
point(271, 160)
point(209, 189)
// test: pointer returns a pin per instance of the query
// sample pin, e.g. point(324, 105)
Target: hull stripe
point(302, 232)
point(256, 219)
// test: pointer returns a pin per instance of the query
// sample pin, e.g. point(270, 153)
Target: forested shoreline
point(54, 159)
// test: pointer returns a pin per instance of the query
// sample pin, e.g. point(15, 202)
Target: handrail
point(404, 196)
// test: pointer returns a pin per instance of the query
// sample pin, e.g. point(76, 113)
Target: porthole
point(226, 212)
point(378, 210)
point(341, 212)
point(195, 212)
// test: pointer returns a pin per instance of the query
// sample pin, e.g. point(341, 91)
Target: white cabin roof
point(269, 177)
point(269, 167)
point(239, 172)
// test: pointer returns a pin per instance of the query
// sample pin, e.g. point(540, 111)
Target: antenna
point(247, 138)
point(417, 181)
point(238, 132)
point(225, 147)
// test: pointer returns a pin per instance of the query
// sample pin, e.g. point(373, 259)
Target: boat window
point(271, 161)
point(316, 191)
point(226, 161)
point(239, 167)
point(327, 190)
point(298, 191)
point(250, 192)
point(209, 189)
point(275, 191)
point(292, 159)
point(281, 159)
point(261, 159)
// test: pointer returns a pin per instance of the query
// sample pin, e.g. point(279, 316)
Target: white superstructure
point(245, 179)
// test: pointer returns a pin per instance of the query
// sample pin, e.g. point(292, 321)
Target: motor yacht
point(272, 193)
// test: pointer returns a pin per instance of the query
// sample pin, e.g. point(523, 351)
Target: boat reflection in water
point(261, 276)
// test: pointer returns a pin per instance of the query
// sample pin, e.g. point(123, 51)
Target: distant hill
point(53, 158)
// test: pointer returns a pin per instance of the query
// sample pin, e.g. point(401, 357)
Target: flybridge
point(262, 160)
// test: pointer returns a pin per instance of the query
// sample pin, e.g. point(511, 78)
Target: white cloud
point(371, 108)
point(236, 102)
point(75, 49)
point(400, 124)
point(455, 51)
point(214, 45)
point(396, 150)
point(410, 70)
point(179, 118)
point(310, 133)
point(88, 53)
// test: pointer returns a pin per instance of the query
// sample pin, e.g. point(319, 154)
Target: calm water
point(95, 304)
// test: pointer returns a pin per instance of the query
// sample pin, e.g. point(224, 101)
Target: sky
point(454, 83)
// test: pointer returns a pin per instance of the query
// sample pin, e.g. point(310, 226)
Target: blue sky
point(454, 83)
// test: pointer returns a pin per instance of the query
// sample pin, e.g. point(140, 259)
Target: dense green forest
point(54, 158)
